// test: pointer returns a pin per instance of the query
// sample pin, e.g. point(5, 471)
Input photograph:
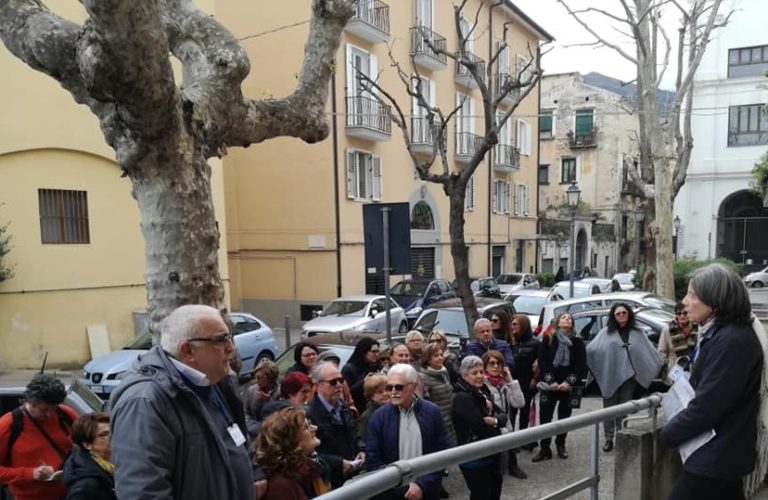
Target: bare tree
point(454, 182)
point(664, 143)
point(118, 64)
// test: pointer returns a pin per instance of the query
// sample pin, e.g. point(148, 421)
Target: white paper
point(677, 399)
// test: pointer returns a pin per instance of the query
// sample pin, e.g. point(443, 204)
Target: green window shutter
point(545, 123)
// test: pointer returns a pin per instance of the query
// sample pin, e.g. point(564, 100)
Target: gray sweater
point(436, 385)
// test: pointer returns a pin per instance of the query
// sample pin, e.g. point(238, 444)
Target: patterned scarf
point(563, 354)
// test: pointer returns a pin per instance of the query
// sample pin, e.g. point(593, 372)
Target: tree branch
point(597, 36)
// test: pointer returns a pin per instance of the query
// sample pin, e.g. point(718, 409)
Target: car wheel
point(757, 284)
point(403, 327)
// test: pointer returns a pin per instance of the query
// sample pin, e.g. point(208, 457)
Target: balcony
point(587, 139)
point(368, 119)
point(501, 80)
point(371, 21)
point(467, 144)
point(423, 40)
point(506, 158)
point(423, 134)
point(463, 76)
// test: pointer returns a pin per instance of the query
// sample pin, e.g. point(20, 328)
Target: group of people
point(179, 427)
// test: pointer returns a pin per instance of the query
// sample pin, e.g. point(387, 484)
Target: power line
point(275, 30)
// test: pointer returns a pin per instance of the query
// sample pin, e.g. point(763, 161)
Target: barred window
point(63, 216)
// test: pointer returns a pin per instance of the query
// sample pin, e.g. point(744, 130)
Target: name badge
point(236, 434)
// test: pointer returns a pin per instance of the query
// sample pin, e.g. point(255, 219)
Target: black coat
point(572, 374)
point(468, 409)
point(85, 479)
point(726, 377)
point(355, 376)
point(338, 442)
point(525, 350)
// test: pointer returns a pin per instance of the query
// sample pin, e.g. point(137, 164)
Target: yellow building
point(294, 211)
point(78, 253)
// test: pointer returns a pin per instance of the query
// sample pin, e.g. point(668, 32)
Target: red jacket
point(30, 449)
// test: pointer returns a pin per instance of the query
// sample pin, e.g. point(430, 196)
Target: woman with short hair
point(304, 356)
point(729, 381)
point(258, 394)
point(414, 340)
point(376, 396)
point(450, 360)
point(88, 471)
point(436, 385)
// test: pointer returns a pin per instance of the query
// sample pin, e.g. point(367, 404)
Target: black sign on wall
point(399, 237)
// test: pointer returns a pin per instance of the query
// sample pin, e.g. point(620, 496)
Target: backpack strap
point(65, 421)
point(17, 424)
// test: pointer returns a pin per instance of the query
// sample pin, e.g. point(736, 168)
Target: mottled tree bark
point(118, 64)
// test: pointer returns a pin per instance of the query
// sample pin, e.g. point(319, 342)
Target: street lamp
point(676, 224)
point(572, 195)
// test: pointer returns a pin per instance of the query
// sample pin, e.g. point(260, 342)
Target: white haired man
point(485, 341)
point(406, 427)
point(177, 428)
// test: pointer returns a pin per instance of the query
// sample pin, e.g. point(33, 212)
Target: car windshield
point(409, 289)
point(89, 399)
point(445, 320)
point(528, 304)
point(624, 278)
point(509, 279)
point(143, 341)
point(345, 308)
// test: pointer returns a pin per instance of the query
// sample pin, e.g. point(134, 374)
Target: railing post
point(594, 459)
point(287, 331)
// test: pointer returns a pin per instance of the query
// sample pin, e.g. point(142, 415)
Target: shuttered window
point(63, 216)
point(363, 176)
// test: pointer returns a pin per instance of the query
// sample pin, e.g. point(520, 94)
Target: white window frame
point(500, 195)
point(430, 89)
point(520, 63)
point(524, 137)
point(469, 195)
point(505, 130)
point(552, 114)
point(422, 7)
point(576, 111)
point(503, 59)
point(578, 168)
point(372, 172)
point(522, 200)
point(353, 82)
point(465, 26)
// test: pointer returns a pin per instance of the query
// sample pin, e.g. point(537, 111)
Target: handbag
point(516, 397)
point(532, 414)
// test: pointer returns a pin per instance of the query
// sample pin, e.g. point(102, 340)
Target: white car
point(513, 282)
point(626, 281)
point(528, 302)
point(357, 312)
point(758, 279)
point(562, 290)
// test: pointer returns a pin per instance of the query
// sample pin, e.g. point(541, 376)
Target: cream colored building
point(78, 253)
point(294, 211)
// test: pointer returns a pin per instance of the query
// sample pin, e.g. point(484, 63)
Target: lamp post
point(572, 196)
point(676, 224)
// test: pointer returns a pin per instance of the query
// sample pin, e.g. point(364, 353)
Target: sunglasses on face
point(222, 339)
point(681, 313)
point(494, 320)
point(334, 381)
point(394, 387)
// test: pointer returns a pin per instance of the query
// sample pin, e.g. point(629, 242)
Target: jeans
point(624, 393)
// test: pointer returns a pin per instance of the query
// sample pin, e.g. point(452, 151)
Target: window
point(585, 122)
point(465, 126)
point(747, 125)
point(469, 195)
point(543, 175)
point(748, 61)
point(421, 216)
point(359, 61)
point(521, 200)
point(363, 176)
point(465, 29)
point(546, 125)
point(523, 70)
point(567, 170)
point(500, 196)
point(523, 137)
point(63, 216)
point(424, 11)
point(421, 127)
point(505, 131)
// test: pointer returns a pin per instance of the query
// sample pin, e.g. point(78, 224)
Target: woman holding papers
point(726, 379)
point(622, 358)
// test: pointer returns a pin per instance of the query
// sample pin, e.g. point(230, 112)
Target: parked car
point(606, 285)
point(562, 290)
point(512, 282)
point(757, 279)
point(357, 312)
point(528, 302)
point(448, 316)
point(483, 287)
point(253, 341)
point(414, 295)
point(648, 299)
point(626, 281)
point(13, 383)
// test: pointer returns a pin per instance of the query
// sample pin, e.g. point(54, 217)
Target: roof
point(664, 98)
point(528, 22)
point(20, 378)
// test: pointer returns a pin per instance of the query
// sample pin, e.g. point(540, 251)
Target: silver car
point(512, 282)
point(357, 312)
point(758, 279)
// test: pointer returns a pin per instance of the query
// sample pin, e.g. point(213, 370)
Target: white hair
point(182, 324)
point(480, 322)
point(405, 370)
point(468, 363)
point(317, 370)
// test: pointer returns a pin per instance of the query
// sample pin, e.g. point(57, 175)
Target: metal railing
point(506, 155)
point(404, 471)
point(462, 70)
point(585, 139)
point(467, 143)
point(370, 113)
point(502, 80)
point(419, 37)
point(373, 12)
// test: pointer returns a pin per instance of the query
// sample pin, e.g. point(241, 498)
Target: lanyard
point(216, 397)
point(692, 357)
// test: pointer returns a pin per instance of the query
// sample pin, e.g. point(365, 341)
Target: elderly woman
point(562, 364)
point(475, 417)
point(450, 360)
point(622, 358)
point(677, 342)
point(415, 342)
point(436, 385)
point(285, 449)
point(364, 361)
point(88, 472)
point(304, 356)
point(376, 396)
point(726, 378)
point(264, 390)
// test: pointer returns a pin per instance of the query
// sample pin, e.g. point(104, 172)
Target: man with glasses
point(406, 427)
point(177, 428)
point(485, 341)
point(339, 445)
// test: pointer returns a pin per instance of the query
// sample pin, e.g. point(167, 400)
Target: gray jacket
point(436, 386)
point(164, 443)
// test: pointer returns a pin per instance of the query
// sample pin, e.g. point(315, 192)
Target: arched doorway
point(581, 250)
point(742, 224)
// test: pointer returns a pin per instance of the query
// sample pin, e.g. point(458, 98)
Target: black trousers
point(484, 483)
point(695, 487)
point(560, 399)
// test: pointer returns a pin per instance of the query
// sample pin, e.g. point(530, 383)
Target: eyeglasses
point(334, 381)
point(682, 313)
point(309, 355)
point(494, 320)
point(432, 341)
point(493, 362)
point(222, 339)
point(394, 387)
point(620, 313)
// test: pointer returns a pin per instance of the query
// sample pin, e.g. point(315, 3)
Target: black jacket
point(572, 374)
point(525, 350)
point(726, 377)
point(355, 377)
point(85, 479)
point(337, 441)
point(468, 409)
